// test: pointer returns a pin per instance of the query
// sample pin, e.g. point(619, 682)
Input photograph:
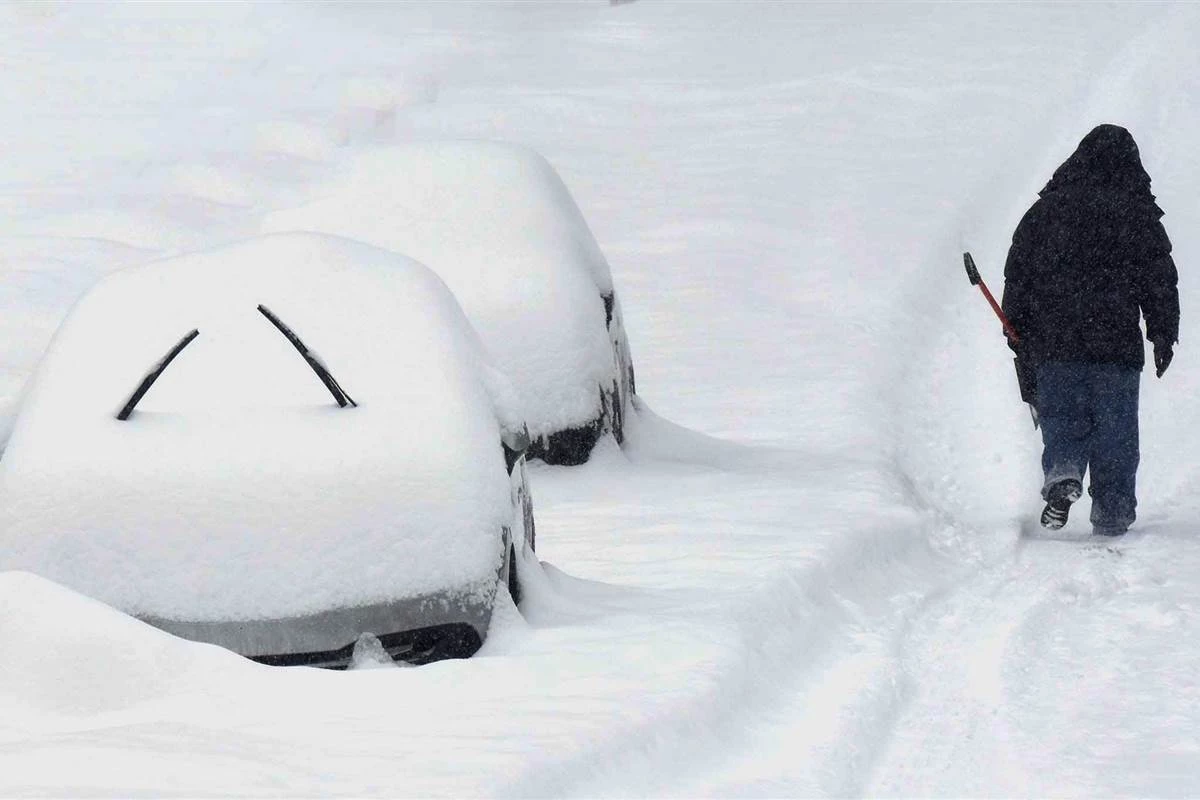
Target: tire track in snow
point(807, 632)
point(958, 736)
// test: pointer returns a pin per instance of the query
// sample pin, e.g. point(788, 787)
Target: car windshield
point(312, 359)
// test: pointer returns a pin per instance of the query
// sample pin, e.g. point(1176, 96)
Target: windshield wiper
point(311, 358)
point(153, 374)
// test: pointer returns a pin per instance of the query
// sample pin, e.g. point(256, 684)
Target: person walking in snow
point(1087, 257)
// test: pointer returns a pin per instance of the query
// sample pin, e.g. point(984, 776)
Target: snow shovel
point(1026, 370)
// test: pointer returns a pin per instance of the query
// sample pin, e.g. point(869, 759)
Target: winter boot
point(1058, 503)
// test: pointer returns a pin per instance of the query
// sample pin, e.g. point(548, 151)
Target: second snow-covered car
point(184, 454)
point(500, 227)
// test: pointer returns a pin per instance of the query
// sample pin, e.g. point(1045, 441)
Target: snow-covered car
point(499, 226)
point(184, 455)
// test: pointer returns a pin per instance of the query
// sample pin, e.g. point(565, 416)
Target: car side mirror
point(515, 443)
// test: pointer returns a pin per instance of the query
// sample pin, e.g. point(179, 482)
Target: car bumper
point(417, 630)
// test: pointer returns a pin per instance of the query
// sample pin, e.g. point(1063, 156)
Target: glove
point(1016, 348)
point(1163, 353)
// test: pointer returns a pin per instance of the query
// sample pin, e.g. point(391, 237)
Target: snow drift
point(97, 660)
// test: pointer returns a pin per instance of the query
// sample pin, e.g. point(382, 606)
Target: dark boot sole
point(1061, 496)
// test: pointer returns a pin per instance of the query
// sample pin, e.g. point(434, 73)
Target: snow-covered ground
point(804, 574)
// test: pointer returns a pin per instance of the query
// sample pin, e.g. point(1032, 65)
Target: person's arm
point(1159, 293)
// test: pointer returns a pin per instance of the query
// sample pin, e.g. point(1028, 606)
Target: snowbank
point(238, 489)
point(499, 226)
point(65, 654)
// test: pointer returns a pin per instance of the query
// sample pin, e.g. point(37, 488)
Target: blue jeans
point(1089, 418)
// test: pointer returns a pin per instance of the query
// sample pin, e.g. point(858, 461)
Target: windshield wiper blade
point(311, 358)
point(153, 374)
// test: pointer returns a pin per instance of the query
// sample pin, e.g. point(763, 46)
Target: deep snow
point(238, 489)
point(833, 597)
point(496, 223)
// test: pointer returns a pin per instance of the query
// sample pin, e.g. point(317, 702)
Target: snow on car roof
point(238, 488)
point(499, 226)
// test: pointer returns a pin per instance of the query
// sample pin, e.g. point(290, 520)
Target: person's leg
point(1066, 422)
point(1114, 451)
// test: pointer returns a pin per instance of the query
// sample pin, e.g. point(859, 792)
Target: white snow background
point(804, 574)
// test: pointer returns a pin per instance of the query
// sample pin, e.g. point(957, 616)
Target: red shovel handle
point(977, 280)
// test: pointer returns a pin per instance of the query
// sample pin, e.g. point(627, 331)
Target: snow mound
point(238, 489)
point(499, 226)
point(66, 654)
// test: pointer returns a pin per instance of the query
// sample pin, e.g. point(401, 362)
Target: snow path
point(1027, 684)
point(832, 599)
point(1053, 668)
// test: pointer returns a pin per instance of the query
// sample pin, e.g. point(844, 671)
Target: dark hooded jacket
point(1088, 256)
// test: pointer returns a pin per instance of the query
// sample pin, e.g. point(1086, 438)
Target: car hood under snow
point(238, 489)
